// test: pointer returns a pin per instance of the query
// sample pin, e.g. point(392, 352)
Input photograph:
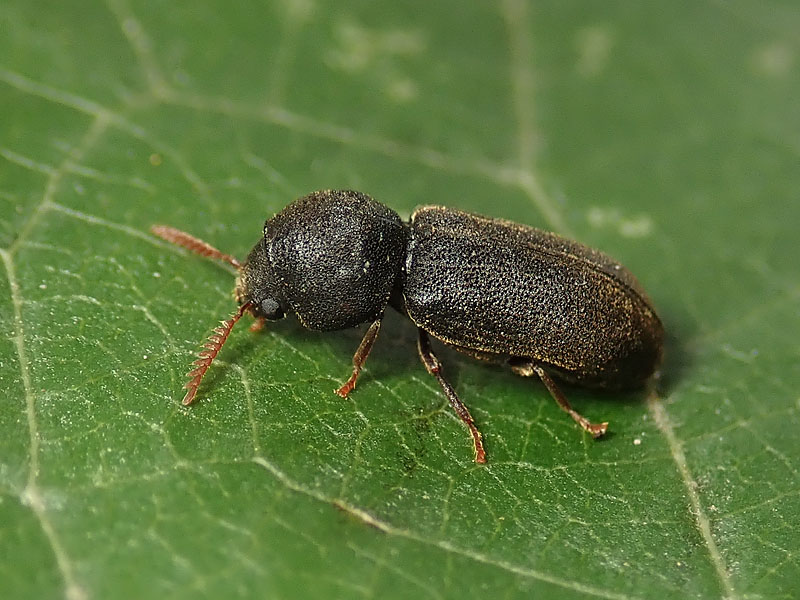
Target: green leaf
point(662, 133)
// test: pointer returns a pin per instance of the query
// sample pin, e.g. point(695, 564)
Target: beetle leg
point(258, 324)
point(360, 357)
point(528, 369)
point(434, 367)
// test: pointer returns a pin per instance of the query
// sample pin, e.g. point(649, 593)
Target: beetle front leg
point(434, 367)
point(258, 324)
point(360, 357)
point(529, 368)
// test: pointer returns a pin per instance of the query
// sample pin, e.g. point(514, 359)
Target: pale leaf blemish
point(132, 29)
point(599, 217)
point(401, 42)
point(181, 77)
point(740, 355)
point(594, 45)
point(402, 90)
point(353, 52)
point(49, 499)
point(299, 11)
point(775, 59)
point(358, 47)
point(637, 226)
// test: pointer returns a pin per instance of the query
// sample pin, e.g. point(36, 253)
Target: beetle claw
point(348, 387)
point(597, 430)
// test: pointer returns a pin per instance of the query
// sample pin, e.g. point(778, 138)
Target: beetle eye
point(271, 310)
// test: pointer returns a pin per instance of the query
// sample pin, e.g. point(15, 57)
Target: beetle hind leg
point(528, 369)
point(434, 367)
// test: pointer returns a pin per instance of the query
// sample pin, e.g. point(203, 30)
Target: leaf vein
point(443, 545)
point(699, 515)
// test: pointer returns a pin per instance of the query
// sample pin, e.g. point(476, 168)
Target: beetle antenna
point(183, 239)
point(209, 352)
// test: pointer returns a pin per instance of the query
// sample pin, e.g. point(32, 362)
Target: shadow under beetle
point(490, 288)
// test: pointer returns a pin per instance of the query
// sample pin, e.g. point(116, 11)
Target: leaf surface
point(664, 135)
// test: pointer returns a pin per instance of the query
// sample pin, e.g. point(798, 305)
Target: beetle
point(495, 290)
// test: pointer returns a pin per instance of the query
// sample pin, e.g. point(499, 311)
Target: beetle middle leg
point(434, 367)
point(528, 369)
point(360, 357)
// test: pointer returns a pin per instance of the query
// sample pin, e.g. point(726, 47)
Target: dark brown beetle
point(492, 289)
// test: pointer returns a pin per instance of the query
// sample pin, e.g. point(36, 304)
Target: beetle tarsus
point(597, 430)
point(360, 357)
point(434, 367)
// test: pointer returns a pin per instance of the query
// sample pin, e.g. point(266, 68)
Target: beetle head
point(253, 292)
point(258, 285)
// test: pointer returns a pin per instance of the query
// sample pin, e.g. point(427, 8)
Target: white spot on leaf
point(775, 59)
point(636, 226)
point(360, 50)
point(594, 46)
